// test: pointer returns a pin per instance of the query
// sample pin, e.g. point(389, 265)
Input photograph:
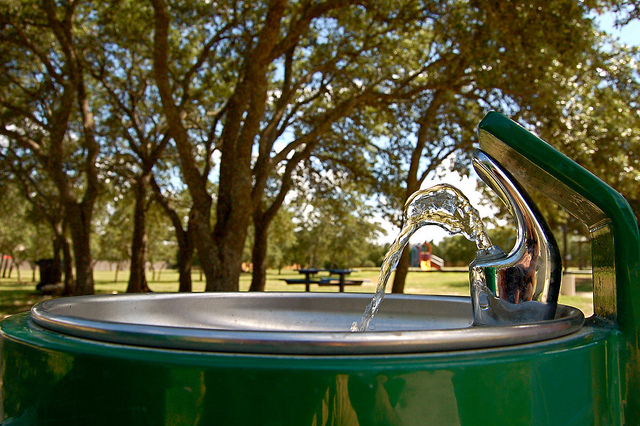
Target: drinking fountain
point(508, 354)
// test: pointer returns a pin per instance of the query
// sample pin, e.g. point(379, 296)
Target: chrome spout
point(527, 280)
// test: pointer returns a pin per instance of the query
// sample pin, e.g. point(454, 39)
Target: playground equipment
point(422, 257)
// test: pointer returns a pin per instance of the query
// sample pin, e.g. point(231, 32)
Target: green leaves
point(253, 100)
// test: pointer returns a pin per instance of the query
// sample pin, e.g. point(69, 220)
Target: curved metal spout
point(527, 280)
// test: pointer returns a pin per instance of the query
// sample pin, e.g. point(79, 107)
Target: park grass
point(17, 297)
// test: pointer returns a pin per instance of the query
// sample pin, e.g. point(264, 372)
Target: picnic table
point(341, 281)
point(309, 273)
point(307, 280)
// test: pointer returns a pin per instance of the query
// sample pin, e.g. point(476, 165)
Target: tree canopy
point(220, 112)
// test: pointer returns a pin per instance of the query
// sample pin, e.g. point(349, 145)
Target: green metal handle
point(611, 222)
point(615, 242)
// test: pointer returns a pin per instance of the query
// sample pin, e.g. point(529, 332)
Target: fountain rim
point(267, 342)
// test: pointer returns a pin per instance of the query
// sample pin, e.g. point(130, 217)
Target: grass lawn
point(17, 297)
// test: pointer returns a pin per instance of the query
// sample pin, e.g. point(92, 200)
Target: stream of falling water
point(443, 205)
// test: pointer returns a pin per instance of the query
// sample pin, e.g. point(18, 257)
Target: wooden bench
point(325, 281)
point(340, 283)
point(306, 282)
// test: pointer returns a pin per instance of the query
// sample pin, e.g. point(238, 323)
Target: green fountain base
point(52, 379)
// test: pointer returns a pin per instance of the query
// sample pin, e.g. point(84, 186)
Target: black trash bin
point(49, 274)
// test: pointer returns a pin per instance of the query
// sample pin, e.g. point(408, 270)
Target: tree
point(112, 227)
point(600, 125)
point(626, 11)
point(234, 104)
point(161, 240)
point(596, 125)
point(46, 110)
point(456, 250)
point(509, 57)
point(290, 72)
point(20, 236)
point(282, 240)
point(175, 206)
point(23, 175)
point(336, 227)
point(136, 126)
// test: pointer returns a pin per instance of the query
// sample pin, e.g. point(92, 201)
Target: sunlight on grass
point(17, 297)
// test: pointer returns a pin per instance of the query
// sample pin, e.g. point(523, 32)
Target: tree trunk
point(221, 251)
point(58, 243)
point(185, 260)
point(259, 259)
point(227, 259)
point(56, 271)
point(137, 277)
point(400, 275)
point(195, 180)
point(69, 284)
point(5, 266)
point(185, 239)
point(402, 270)
point(230, 232)
point(414, 182)
point(185, 256)
point(244, 113)
point(80, 225)
point(204, 244)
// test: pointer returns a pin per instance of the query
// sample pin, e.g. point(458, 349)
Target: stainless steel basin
point(288, 323)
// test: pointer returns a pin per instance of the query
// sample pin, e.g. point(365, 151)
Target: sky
point(630, 34)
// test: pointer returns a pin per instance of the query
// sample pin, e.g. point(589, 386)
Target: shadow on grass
point(459, 284)
point(15, 298)
point(458, 279)
point(585, 285)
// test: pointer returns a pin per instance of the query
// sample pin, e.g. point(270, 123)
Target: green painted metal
point(490, 277)
point(589, 377)
point(610, 220)
point(51, 379)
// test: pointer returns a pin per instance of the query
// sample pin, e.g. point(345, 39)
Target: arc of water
point(442, 205)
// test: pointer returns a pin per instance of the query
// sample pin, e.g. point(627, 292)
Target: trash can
point(50, 273)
